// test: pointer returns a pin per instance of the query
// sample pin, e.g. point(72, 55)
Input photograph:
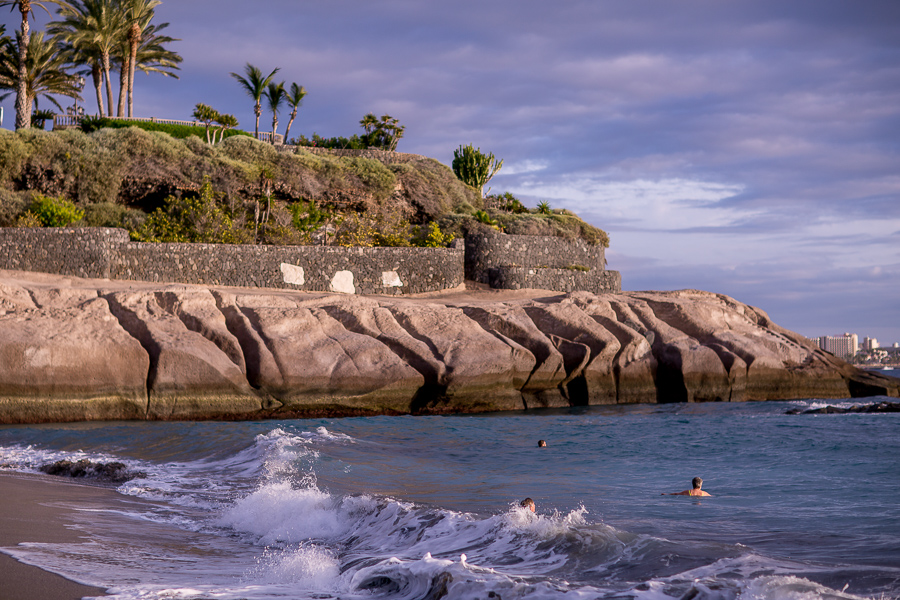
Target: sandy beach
point(38, 509)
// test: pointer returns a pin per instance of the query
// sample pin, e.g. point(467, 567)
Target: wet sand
point(34, 510)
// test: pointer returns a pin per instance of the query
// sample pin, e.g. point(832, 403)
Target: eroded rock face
point(188, 352)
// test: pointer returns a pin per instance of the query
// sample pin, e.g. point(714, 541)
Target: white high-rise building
point(869, 344)
point(842, 346)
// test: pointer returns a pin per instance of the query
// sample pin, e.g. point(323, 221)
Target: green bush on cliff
point(107, 214)
point(92, 124)
point(54, 212)
point(192, 219)
point(115, 175)
point(431, 236)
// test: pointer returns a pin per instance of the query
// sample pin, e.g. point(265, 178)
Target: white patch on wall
point(391, 279)
point(342, 283)
point(292, 274)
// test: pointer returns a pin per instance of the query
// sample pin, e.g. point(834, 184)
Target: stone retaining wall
point(551, 263)
point(561, 280)
point(108, 253)
point(79, 252)
point(503, 261)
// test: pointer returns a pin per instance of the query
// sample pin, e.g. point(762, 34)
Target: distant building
point(870, 344)
point(842, 346)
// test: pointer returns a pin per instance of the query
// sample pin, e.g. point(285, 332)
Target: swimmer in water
point(528, 503)
point(542, 444)
point(696, 482)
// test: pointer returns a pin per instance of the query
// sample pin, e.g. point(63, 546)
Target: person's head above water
point(696, 482)
point(528, 503)
point(542, 444)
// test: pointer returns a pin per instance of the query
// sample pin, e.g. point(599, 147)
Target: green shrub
point(509, 203)
point(373, 174)
point(434, 190)
point(108, 214)
point(192, 219)
point(578, 268)
point(379, 226)
point(28, 219)
point(54, 212)
point(431, 236)
point(354, 142)
point(91, 124)
point(306, 216)
point(543, 208)
point(12, 204)
point(483, 217)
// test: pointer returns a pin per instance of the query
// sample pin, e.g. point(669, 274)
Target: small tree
point(225, 122)
point(474, 168)
point(384, 133)
point(206, 115)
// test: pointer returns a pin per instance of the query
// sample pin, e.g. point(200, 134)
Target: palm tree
point(255, 84)
point(94, 23)
point(46, 73)
point(275, 95)
point(23, 111)
point(88, 59)
point(139, 13)
point(295, 98)
point(153, 57)
point(369, 122)
point(150, 57)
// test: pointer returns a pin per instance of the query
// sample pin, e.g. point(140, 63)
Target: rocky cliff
point(75, 349)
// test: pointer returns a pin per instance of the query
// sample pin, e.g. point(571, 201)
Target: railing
point(266, 136)
point(70, 121)
point(66, 121)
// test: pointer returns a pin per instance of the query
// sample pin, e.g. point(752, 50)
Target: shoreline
point(32, 513)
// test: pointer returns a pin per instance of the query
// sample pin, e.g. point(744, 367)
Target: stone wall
point(79, 252)
point(560, 280)
point(503, 261)
point(553, 263)
point(108, 253)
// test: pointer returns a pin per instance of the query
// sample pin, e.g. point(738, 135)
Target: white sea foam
point(279, 513)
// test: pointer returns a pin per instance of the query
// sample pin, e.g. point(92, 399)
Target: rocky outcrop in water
point(111, 472)
point(875, 407)
point(91, 350)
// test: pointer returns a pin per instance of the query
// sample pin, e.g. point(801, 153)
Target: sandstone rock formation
point(93, 349)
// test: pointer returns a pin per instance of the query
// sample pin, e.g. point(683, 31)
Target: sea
point(802, 506)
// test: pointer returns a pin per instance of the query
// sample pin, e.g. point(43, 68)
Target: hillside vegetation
point(120, 177)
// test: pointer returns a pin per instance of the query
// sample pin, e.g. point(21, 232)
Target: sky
point(749, 148)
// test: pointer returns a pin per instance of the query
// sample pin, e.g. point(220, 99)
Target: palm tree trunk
point(274, 129)
point(123, 89)
point(134, 39)
point(291, 122)
point(23, 107)
point(258, 112)
point(109, 101)
point(98, 85)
